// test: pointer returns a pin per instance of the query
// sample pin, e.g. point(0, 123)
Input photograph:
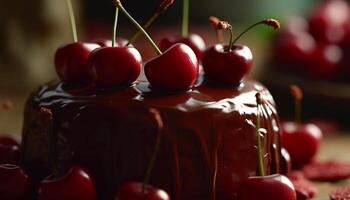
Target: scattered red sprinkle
point(296, 92)
point(328, 171)
point(303, 187)
point(340, 194)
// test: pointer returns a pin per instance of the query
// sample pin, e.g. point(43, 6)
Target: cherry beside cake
point(101, 134)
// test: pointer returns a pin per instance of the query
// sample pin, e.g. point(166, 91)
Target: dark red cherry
point(324, 61)
point(327, 21)
point(134, 191)
point(302, 142)
point(15, 184)
point(75, 184)
point(292, 51)
point(176, 69)
point(9, 154)
point(120, 42)
point(274, 187)
point(227, 67)
point(9, 140)
point(194, 41)
point(113, 66)
point(71, 62)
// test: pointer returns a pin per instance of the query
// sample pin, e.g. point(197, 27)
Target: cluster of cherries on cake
point(116, 63)
point(317, 47)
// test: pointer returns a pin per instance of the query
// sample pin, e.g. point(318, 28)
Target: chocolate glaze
point(208, 143)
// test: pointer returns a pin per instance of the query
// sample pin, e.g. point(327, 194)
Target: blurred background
point(32, 30)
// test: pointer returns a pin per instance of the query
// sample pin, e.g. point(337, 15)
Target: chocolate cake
point(208, 143)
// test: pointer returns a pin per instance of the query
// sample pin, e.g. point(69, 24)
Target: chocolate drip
point(209, 138)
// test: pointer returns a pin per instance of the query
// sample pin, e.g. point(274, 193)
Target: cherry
point(15, 184)
point(324, 61)
point(113, 66)
point(176, 69)
point(228, 64)
point(227, 67)
point(134, 191)
point(273, 187)
point(9, 154)
point(293, 47)
point(75, 184)
point(71, 59)
point(71, 62)
point(194, 41)
point(295, 135)
point(328, 20)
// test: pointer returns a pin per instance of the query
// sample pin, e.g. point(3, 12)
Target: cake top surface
point(202, 95)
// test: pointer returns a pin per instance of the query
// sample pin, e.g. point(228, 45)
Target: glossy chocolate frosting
point(208, 140)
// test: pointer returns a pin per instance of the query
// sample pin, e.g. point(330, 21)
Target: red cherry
point(9, 154)
point(227, 66)
point(112, 66)
point(194, 41)
point(120, 42)
point(76, 184)
point(9, 140)
point(14, 183)
point(71, 62)
point(176, 69)
point(328, 20)
point(292, 50)
point(302, 141)
point(134, 191)
point(274, 187)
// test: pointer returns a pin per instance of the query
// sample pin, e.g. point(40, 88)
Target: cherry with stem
point(163, 71)
point(71, 59)
point(297, 134)
point(165, 4)
point(227, 64)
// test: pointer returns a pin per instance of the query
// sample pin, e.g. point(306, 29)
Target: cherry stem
point(231, 39)
point(145, 27)
point(270, 22)
point(158, 118)
point(72, 20)
point(120, 6)
point(185, 17)
point(115, 26)
point(298, 95)
point(258, 137)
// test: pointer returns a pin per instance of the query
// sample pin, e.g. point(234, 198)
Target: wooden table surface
point(335, 146)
